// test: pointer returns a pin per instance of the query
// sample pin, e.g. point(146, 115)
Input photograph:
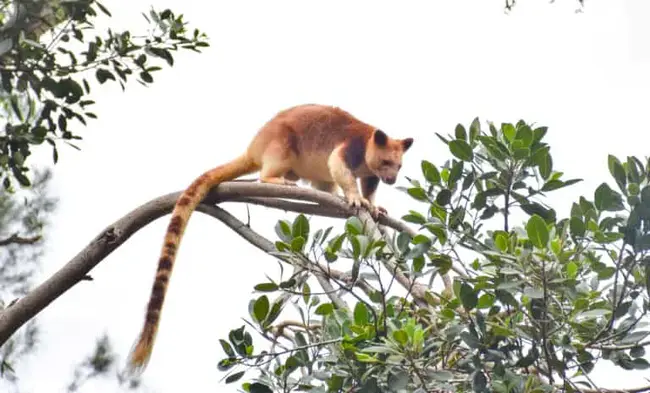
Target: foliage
point(51, 54)
point(101, 364)
point(46, 86)
point(541, 300)
point(23, 219)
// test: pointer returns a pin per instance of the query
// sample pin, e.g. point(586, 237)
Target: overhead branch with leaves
point(50, 53)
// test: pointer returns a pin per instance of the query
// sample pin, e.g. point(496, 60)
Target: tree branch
point(12, 318)
point(15, 239)
point(32, 18)
point(265, 245)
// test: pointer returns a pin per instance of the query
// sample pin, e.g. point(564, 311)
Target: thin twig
point(15, 239)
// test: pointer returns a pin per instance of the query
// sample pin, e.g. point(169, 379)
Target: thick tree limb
point(12, 318)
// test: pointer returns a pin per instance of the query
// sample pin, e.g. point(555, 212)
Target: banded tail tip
point(139, 357)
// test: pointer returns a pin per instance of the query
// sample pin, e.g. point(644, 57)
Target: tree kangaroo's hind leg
point(277, 162)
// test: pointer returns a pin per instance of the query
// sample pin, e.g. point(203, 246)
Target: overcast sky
point(412, 68)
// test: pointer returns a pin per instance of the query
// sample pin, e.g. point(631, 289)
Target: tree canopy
point(538, 300)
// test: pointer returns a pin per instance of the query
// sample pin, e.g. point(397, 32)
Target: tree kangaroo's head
point(384, 155)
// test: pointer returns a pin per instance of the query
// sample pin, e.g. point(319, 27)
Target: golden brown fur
point(322, 144)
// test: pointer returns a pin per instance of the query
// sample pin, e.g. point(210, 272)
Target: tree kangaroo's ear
point(406, 143)
point(380, 138)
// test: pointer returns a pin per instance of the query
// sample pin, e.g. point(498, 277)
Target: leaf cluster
point(547, 295)
point(46, 85)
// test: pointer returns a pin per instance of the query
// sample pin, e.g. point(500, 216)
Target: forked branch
point(15, 316)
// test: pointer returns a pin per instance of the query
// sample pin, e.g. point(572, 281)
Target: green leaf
point(430, 172)
point(400, 336)
point(227, 348)
point(535, 208)
point(324, 309)
point(633, 170)
point(266, 287)
point(509, 131)
point(261, 308)
point(235, 377)
point(164, 54)
point(414, 217)
point(16, 108)
point(360, 314)
point(468, 181)
point(298, 243)
point(545, 164)
point(354, 226)
point(306, 293)
point(617, 171)
point(417, 193)
point(283, 230)
point(607, 199)
point(537, 231)
point(486, 301)
point(456, 173)
point(443, 262)
point(103, 8)
point(525, 135)
point(479, 381)
point(418, 250)
point(637, 352)
point(471, 340)
point(640, 364)
point(572, 269)
point(645, 196)
point(538, 133)
point(577, 227)
point(300, 227)
point(521, 154)
point(468, 296)
point(474, 129)
point(258, 387)
point(461, 150)
point(456, 217)
point(359, 245)
point(103, 75)
point(418, 264)
point(553, 185)
point(501, 242)
point(443, 197)
point(146, 77)
point(460, 132)
point(439, 232)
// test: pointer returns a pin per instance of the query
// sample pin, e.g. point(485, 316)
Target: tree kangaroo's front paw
point(290, 183)
point(359, 201)
point(377, 211)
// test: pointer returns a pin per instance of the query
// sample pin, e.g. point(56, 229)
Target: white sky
point(412, 69)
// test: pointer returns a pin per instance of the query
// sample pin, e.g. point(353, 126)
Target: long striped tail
point(184, 207)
